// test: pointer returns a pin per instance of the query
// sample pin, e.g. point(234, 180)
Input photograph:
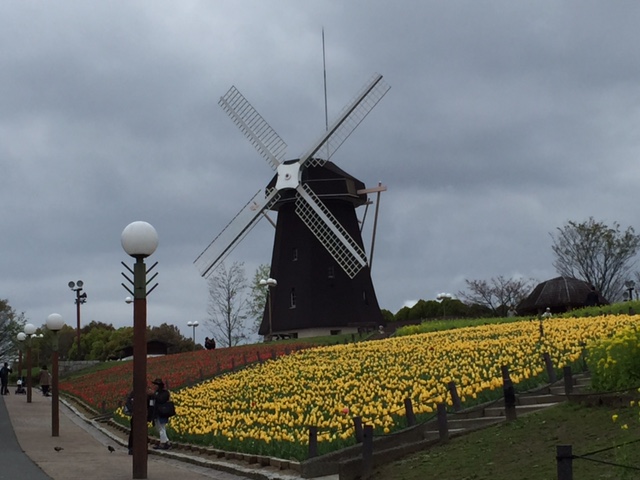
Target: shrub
point(614, 362)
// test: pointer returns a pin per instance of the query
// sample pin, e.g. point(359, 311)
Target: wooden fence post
point(568, 380)
point(408, 406)
point(504, 369)
point(313, 442)
point(509, 394)
point(258, 356)
point(564, 459)
point(367, 451)
point(551, 372)
point(233, 363)
point(357, 426)
point(443, 427)
point(455, 398)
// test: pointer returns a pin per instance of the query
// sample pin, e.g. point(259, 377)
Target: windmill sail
point(342, 247)
point(234, 232)
point(264, 138)
point(349, 119)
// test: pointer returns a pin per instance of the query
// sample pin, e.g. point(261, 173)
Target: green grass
point(619, 308)
point(526, 448)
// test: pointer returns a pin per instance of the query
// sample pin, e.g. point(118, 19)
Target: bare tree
point(498, 293)
point(258, 295)
point(596, 253)
point(228, 304)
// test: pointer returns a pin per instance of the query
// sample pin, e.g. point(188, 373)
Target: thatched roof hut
point(559, 294)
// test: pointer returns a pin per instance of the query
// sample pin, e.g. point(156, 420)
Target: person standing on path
point(45, 380)
point(4, 379)
point(160, 397)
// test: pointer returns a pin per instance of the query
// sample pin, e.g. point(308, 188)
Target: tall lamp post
point(21, 338)
point(269, 283)
point(80, 299)
point(629, 285)
point(139, 240)
point(193, 324)
point(29, 331)
point(55, 324)
point(441, 297)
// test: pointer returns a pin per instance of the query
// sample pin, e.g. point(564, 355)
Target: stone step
point(499, 410)
point(472, 423)
point(538, 399)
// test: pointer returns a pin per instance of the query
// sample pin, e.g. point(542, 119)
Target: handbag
point(166, 410)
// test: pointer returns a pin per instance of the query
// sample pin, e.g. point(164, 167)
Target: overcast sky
point(504, 121)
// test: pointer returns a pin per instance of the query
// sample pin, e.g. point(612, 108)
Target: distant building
point(560, 294)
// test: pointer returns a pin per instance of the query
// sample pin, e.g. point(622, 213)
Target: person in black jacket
point(160, 397)
point(4, 379)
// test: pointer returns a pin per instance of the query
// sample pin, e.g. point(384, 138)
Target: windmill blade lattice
point(329, 232)
point(264, 138)
point(348, 120)
point(234, 232)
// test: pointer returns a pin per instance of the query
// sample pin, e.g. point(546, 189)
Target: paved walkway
point(27, 449)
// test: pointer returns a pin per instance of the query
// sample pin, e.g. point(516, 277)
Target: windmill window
point(294, 255)
point(331, 272)
point(293, 298)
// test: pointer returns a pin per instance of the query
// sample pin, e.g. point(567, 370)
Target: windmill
point(323, 277)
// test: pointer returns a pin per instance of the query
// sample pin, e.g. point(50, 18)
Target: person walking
point(4, 379)
point(45, 380)
point(128, 410)
point(160, 418)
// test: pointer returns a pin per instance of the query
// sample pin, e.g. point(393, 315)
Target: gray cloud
point(504, 121)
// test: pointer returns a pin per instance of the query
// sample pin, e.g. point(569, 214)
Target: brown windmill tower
point(323, 276)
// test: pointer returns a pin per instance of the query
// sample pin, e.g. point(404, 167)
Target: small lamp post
point(139, 240)
point(55, 324)
point(29, 331)
point(193, 324)
point(441, 297)
point(269, 283)
point(21, 338)
point(80, 299)
point(630, 285)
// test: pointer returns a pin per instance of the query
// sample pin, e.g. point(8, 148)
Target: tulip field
point(267, 408)
point(106, 389)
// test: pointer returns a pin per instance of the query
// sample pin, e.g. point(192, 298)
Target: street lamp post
point(55, 324)
point(441, 297)
point(21, 338)
point(139, 240)
point(630, 285)
point(193, 324)
point(80, 299)
point(29, 331)
point(269, 283)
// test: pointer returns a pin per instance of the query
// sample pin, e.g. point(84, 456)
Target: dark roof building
point(560, 294)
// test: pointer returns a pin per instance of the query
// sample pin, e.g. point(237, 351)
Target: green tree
point(170, 334)
point(387, 315)
point(602, 256)
point(11, 323)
